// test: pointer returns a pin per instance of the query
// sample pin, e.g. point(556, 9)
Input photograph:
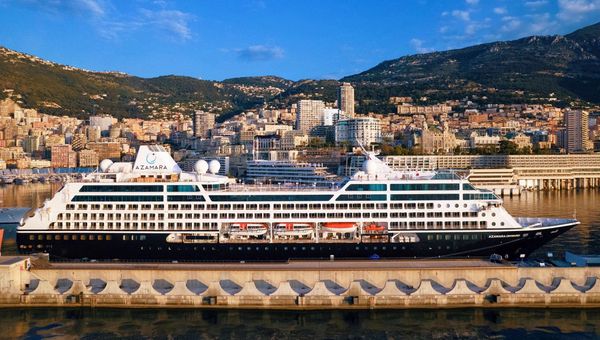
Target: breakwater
point(297, 285)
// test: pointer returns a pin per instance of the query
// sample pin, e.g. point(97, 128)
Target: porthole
point(482, 214)
point(456, 205)
point(501, 223)
point(493, 214)
point(493, 224)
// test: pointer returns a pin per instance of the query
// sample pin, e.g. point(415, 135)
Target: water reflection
point(258, 324)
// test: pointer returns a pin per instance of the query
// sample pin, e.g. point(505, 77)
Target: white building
point(366, 131)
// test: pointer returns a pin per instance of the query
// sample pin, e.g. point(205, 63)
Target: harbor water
point(261, 324)
point(465, 323)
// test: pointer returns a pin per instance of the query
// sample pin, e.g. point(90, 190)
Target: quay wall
point(298, 286)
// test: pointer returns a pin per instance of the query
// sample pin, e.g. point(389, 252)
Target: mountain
point(523, 70)
point(568, 66)
point(59, 89)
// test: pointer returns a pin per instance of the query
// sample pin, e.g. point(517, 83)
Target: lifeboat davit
point(374, 228)
point(293, 229)
point(247, 229)
point(339, 227)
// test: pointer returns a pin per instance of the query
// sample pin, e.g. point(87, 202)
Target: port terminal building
point(504, 174)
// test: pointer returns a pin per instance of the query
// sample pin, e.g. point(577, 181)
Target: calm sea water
point(382, 324)
point(258, 324)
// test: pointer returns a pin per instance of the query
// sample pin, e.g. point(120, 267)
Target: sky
point(219, 39)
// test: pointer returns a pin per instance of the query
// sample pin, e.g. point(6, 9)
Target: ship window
point(182, 188)
point(31, 237)
point(424, 186)
point(467, 186)
point(424, 197)
point(361, 197)
point(186, 198)
point(367, 187)
point(272, 198)
point(83, 237)
point(121, 188)
point(104, 198)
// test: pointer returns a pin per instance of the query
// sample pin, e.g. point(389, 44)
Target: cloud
point(260, 53)
point(472, 2)
point(111, 23)
point(93, 8)
point(540, 24)
point(510, 24)
point(172, 21)
point(577, 10)
point(463, 15)
point(500, 10)
point(417, 44)
point(536, 3)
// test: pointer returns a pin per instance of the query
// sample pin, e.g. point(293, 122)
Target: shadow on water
point(259, 324)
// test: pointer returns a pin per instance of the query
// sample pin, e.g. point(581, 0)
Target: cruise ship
point(152, 210)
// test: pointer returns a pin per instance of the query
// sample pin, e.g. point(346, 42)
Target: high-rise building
point(365, 131)
point(309, 114)
point(346, 99)
point(203, 122)
point(577, 138)
point(62, 156)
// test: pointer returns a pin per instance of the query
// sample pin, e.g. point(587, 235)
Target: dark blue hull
point(153, 246)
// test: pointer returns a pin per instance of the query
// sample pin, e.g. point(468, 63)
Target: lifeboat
point(374, 228)
point(339, 227)
point(293, 229)
point(247, 229)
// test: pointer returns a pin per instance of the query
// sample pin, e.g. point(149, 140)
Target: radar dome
point(214, 166)
point(370, 167)
point(105, 164)
point(201, 167)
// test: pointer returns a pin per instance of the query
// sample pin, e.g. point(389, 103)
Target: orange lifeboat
point(339, 227)
point(248, 229)
point(293, 229)
point(374, 228)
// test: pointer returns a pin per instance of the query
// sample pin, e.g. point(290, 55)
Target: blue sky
point(212, 39)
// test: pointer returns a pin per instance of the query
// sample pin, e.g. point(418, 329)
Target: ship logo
point(151, 158)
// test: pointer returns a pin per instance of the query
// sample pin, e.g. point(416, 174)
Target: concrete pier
point(296, 285)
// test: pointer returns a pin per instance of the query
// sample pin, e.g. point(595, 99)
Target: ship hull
point(511, 244)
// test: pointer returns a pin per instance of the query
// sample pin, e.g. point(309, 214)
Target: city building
point(357, 131)
point(309, 114)
point(103, 122)
point(62, 156)
point(88, 158)
point(106, 150)
point(203, 122)
point(577, 131)
point(346, 99)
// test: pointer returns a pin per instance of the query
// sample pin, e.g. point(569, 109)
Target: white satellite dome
point(201, 167)
point(105, 164)
point(214, 166)
point(370, 167)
